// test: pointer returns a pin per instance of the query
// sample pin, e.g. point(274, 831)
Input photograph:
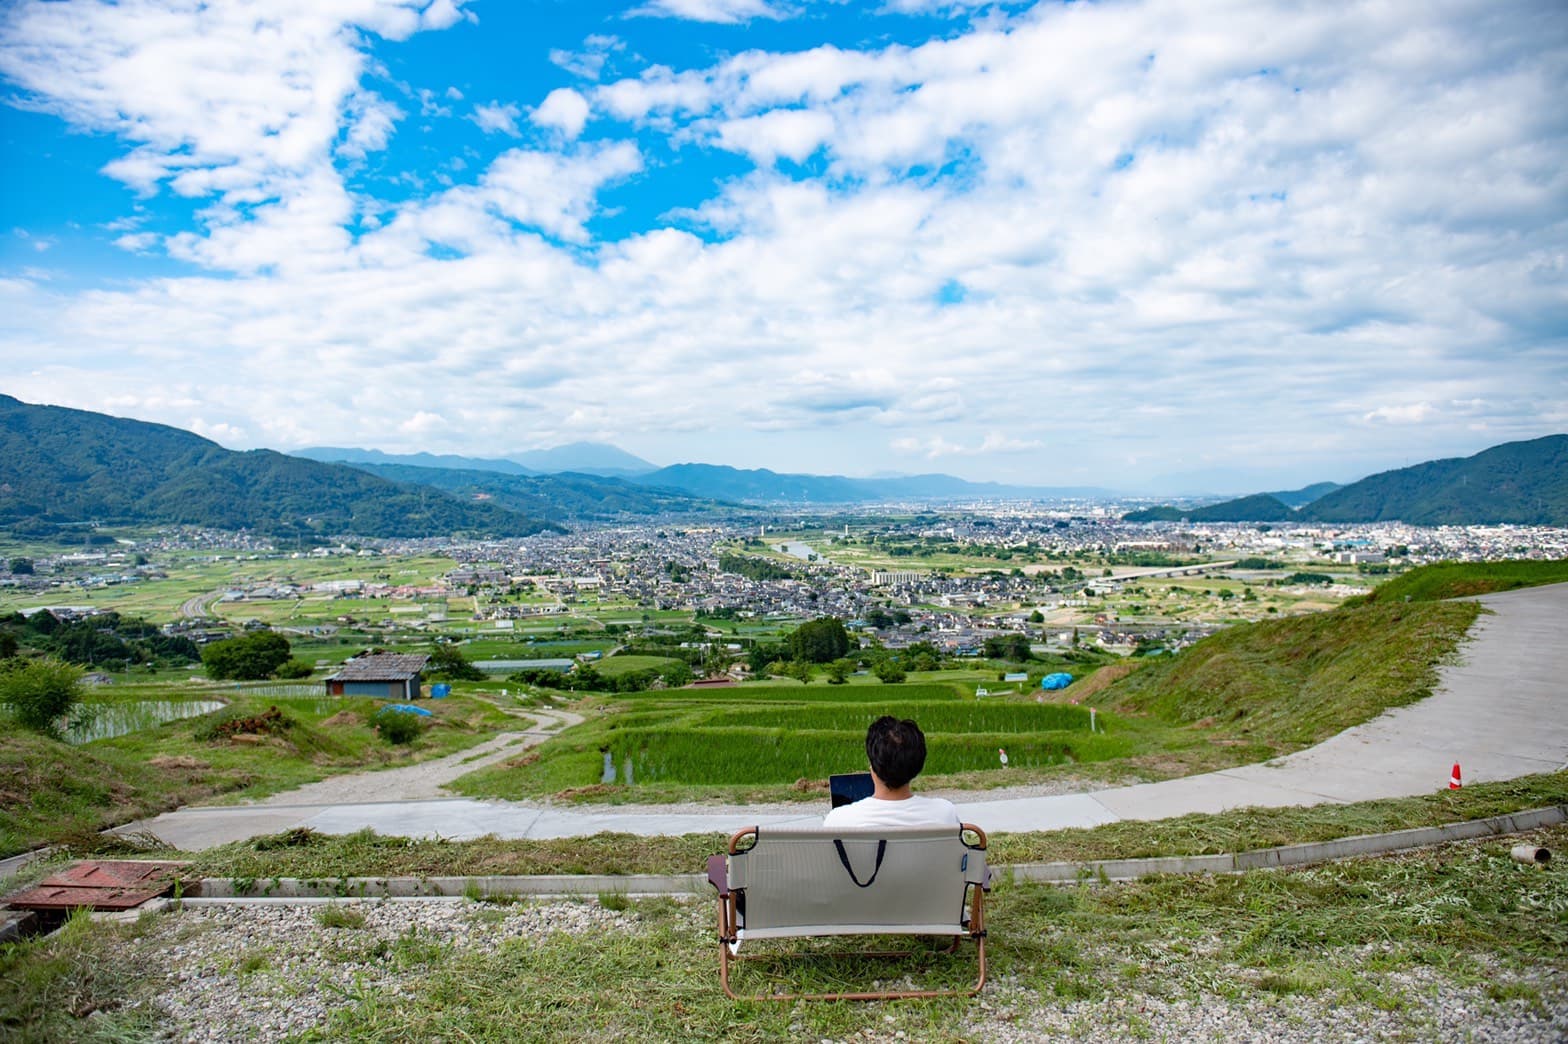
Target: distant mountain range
point(585, 458)
point(768, 487)
point(1525, 483)
point(60, 465)
point(566, 497)
point(706, 481)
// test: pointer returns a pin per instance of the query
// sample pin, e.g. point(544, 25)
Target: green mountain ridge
point(61, 466)
point(1522, 483)
point(561, 497)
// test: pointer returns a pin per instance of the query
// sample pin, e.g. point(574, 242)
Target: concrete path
point(1501, 713)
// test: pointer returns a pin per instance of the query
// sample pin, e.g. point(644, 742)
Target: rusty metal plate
point(112, 884)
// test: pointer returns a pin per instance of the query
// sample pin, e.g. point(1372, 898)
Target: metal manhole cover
point(112, 884)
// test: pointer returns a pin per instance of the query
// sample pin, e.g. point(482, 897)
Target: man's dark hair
point(896, 749)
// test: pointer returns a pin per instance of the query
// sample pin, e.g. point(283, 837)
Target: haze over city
point(1155, 247)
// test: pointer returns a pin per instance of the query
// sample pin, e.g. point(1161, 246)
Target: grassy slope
point(1463, 579)
point(52, 791)
point(1298, 681)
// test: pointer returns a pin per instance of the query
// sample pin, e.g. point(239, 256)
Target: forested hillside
point(60, 465)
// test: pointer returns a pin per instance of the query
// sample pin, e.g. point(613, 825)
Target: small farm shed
point(386, 676)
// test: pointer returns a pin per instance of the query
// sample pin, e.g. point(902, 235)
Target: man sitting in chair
point(897, 752)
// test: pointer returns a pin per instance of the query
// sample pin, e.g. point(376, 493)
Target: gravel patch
point(1419, 1004)
point(267, 972)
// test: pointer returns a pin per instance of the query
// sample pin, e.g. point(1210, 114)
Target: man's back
point(914, 811)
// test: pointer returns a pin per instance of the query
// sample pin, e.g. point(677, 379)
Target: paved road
point(1501, 713)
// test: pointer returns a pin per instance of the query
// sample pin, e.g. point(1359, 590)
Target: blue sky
point(1155, 246)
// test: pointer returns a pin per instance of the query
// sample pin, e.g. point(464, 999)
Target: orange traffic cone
point(1453, 781)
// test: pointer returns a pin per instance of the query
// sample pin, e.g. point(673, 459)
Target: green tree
point(296, 668)
point(676, 674)
point(838, 671)
point(1007, 647)
point(21, 566)
point(448, 663)
point(888, 671)
point(760, 655)
point(39, 692)
point(820, 641)
point(247, 657)
point(800, 670)
point(1037, 617)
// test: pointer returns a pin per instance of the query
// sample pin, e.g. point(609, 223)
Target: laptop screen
point(849, 787)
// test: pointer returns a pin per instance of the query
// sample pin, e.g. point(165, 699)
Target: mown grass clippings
point(71, 986)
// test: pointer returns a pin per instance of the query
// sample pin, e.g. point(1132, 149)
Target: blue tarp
point(407, 708)
point(1059, 680)
point(440, 691)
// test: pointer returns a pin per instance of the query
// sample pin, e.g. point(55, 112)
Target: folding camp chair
point(779, 883)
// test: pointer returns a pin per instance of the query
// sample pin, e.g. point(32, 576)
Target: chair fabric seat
point(797, 883)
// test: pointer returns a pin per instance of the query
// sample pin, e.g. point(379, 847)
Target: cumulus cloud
point(1264, 234)
point(497, 118)
point(1409, 413)
point(723, 12)
point(563, 109)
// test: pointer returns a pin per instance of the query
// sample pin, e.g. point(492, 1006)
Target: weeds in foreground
point(1361, 939)
point(334, 916)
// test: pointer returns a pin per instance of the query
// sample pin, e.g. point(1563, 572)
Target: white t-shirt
point(914, 811)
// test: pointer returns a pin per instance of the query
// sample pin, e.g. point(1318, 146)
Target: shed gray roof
point(382, 667)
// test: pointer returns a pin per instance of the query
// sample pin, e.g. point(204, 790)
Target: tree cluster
point(753, 568)
point(107, 640)
point(246, 658)
point(822, 640)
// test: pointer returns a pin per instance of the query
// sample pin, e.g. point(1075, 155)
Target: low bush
point(398, 727)
point(39, 692)
point(296, 668)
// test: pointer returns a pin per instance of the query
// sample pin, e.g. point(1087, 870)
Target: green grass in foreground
point(1359, 939)
point(311, 855)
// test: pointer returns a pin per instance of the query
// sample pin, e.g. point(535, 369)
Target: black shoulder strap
point(843, 857)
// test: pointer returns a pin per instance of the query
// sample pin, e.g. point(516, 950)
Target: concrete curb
point(291, 889)
point(1290, 855)
point(449, 887)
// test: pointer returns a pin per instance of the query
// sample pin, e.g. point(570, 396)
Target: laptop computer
point(848, 787)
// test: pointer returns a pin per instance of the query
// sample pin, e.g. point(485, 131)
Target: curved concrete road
point(1501, 713)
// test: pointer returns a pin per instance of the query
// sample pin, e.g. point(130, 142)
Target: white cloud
point(136, 242)
point(723, 12)
point(424, 423)
point(565, 110)
point(589, 62)
point(791, 133)
point(1286, 237)
point(497, 118)
point(1409, 413)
